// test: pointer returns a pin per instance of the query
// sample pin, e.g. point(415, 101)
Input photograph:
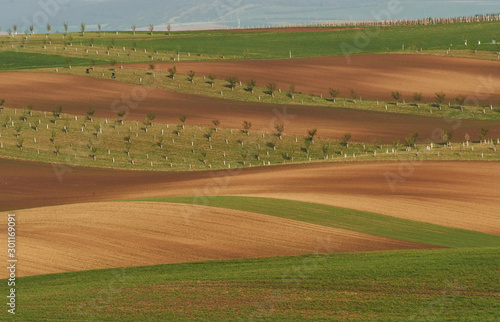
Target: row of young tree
point(83, 26)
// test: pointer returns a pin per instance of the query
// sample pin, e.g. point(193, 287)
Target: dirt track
point(107, 235)
point(456, 194)
point(77, 94)
point(371, 76)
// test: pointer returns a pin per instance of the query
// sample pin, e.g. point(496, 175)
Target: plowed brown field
point(456, 194)
point(106, 97)
point(371, 76)
point(108, 235)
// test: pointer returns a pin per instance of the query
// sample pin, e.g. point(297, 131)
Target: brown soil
point(455, 194)
point(371, 76)
point(121, 234)
point(77, 94)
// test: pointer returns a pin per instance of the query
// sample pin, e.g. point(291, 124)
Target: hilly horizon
point(220, 14)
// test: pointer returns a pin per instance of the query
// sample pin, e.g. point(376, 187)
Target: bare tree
point(482, 134)
point(251, 85)
point(151, 28)
point(417, 97)
point(396, 95)
point(334, 93)
point(82, 28)
point(440, 96)
point(291, 91)
point(172, 71)
point(134, 27)
point(460, 100)
point(312, 133)
point(345, 140)
point(246, 127)
point(232, 82)
point(280, 128)
point(216, 124)
point(271, 88)
point(169, 28)
point(191, 76)
point(211, 79)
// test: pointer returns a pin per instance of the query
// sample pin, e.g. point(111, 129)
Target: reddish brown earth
point(371, 76)
point(456, 194)
point(106, 97)
point(122, 234)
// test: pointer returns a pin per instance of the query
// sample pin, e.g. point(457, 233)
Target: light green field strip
point(437, 284)
point(349, 219)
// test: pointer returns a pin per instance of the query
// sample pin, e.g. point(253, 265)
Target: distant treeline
point(422, 21)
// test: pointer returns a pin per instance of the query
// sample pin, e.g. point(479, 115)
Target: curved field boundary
point(77, 94)
point(117, 234)
point(359, 221)
point(452, 194)
point(370, 76)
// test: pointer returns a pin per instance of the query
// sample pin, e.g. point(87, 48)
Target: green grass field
point(241, 44)
point(19, 61)
point(419, 285)
point(349, 219)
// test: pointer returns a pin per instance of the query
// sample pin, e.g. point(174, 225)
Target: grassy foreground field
point(385, 286)
point(363, 222)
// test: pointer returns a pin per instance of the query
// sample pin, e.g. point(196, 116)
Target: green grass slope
point(360, 221)
point(418, 285)
point(11, 60)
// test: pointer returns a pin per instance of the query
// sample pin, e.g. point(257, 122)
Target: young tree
point(49, 28)
point(151, 28)
point(134, 27)
point(345, 140)
point(57, 111)
point(326, 150)
point(312, 133)
point(149, 118)
point(396, 96)
point(482, 134)
point(216, 124)
point(183, 120)
point(291, 91)
point(280, 128)
point(31, 29)
point(82, 28)
point(169, 28)
point(232, 82)
point(191, 76)
point(15, 29)
point(99, 27)
point(57, 149)
point(211, 79)
point(417, 97)
point(251, 85)
point(447, 136)
point(203, 155)
point(440, 96)
point(246, 127)
point(334, 93)
point(172, 71)
point(66, 25)
point(411, 139)
point(121, 115)
point(90, 113)
point(354, 95)
point(271, 88)
point(460, 100)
